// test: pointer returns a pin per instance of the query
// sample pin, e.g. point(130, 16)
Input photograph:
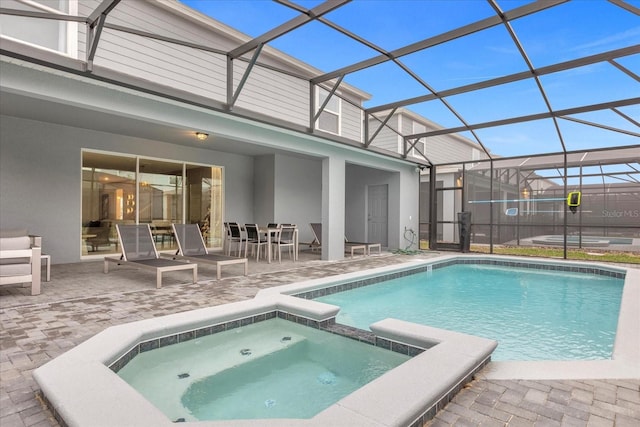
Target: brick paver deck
point(81, 301)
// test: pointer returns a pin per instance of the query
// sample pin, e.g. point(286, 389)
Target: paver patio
point(81, 301)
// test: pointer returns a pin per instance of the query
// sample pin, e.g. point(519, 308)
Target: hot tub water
point(270, 369)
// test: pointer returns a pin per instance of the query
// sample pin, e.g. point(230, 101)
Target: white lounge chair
point(191, 248)
point(365, 247)
point(316, 228)
point(139, 250)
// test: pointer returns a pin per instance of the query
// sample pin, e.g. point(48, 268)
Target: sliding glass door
point(120, 189)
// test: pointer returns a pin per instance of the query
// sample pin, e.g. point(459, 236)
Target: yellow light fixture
point(202, 136)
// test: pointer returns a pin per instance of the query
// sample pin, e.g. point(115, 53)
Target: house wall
point(445, 149)
point(352, 122)
point(296, 177)
point(267, 92)
point(403, 209)
point(264, 189)
point(386, 139)
point(40, 174)
point(44, 161)
point(40, 178)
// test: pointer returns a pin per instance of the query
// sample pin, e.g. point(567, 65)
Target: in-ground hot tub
point(82, 388)
point(269, 369)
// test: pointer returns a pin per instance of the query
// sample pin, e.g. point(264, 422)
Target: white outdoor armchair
point(20, 259)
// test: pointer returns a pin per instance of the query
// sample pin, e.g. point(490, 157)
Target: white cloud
point(632, 34)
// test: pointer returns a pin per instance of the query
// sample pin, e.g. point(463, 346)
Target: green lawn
point(573, 254)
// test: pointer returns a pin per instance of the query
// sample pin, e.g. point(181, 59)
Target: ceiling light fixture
point(202, 136)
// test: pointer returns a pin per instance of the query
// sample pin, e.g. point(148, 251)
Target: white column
point(333, 208)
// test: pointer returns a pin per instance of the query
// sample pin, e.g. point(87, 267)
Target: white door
point(377, 212)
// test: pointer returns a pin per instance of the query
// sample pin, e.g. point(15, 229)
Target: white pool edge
point(625, 360)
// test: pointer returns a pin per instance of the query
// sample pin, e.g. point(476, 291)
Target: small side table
point(374, 245)
point(47, 263)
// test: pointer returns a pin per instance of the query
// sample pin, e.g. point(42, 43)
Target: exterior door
point(377, 213)
point(449, 200)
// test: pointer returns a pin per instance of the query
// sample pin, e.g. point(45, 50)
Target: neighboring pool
point(268, 369)
point(534, 314)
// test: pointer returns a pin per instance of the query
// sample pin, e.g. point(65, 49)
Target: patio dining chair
point(236, 237)
point(255, 239)
point(139, 250)
point(285, 239)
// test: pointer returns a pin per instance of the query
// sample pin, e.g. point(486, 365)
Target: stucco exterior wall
point(41, 180)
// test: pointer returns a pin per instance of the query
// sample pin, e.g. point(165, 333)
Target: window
point(119, 189)
point(329, 119)
point(51, 34)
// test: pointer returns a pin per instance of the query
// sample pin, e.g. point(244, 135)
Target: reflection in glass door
point(204, 202)
point(108, 197)
point(160, 199)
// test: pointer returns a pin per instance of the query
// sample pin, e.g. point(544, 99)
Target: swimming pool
point(270, 369)
point(623, 362)
point(534, 314)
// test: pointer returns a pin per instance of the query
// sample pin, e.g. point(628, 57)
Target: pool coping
point(81, 388)
point(625, 360)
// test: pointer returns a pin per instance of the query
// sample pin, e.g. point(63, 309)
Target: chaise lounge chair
point(316, 228)
point(364, 246)
point(353, 246)
point(139, 250)
point(191, 247)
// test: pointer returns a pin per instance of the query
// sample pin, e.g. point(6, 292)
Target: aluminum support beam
point(442, 38)
point(531, 117)
point(597, 125)
point(326, 101)
point(102, 10)
point(291, 25)
point(386, 119)
point(234, 95)
point(526, 59)
point(95, 23)
point(563, 66)
point(626, 6)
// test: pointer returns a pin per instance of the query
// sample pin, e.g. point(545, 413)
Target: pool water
point(270, 369)
point(533, 314)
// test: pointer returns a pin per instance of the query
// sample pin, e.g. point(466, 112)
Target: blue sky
point(569, 31)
